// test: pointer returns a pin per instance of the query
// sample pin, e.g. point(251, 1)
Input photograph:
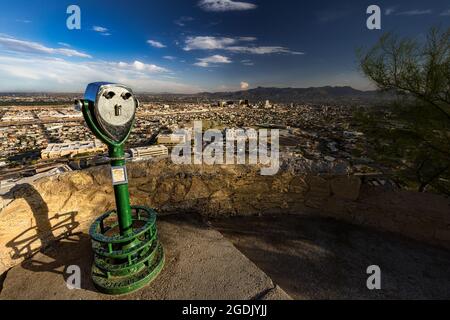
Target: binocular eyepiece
point(77, 105)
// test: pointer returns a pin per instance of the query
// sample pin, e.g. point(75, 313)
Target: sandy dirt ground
point(254, 258)
point(200, 264)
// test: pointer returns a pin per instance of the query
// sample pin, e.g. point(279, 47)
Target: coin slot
point(117, 110)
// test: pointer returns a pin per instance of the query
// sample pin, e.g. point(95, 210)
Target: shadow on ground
point(308, 257)
point(52, 243)
point(200, 264)
point(320, 258)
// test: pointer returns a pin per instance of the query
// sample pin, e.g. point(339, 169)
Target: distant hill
point(313, 94)
point(326, 94)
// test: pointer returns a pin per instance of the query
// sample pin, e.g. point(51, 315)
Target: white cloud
point(102, 30)
point(445, 13)
point(215, 59)
point(170, 58)
point(247, 39)
point(389, 11)
point(12, 44)
point(59, 75)
point(140, 66)
point(155, 44)
point(64, 44)
point(232, 45)
point(415, 12)
point(262, 50)
point(183, 20)
point(225, 5)
point(208, 43)
point(244, 85)
point(247, 62)
point(99, 29)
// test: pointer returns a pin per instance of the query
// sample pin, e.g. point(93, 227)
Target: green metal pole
point(125, 259)
point(121, 192)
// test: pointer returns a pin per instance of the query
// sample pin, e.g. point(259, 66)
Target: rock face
point(53, 208)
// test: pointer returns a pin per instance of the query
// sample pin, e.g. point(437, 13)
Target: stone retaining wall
point(57, 207)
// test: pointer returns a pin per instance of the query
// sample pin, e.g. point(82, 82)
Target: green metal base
point(127, 284)
point(125, 263)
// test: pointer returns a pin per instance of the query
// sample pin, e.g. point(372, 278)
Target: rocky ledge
point(34, 215)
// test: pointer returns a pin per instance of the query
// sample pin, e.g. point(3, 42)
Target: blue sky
point(197, 45)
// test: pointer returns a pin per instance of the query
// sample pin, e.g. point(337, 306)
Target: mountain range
point(325, 94)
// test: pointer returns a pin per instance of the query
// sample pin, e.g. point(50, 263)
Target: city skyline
point(196, 46)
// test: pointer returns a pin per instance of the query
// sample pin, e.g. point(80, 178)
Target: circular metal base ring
point(133, 282)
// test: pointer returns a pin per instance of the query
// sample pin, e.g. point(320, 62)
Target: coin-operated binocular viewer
point(127, 252)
